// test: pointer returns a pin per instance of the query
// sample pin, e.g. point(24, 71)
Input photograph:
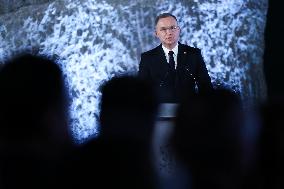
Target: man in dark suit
point(173, 68)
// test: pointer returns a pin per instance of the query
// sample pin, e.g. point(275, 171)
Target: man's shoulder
point(188, 48)
point(152, 51)
point(159, 49)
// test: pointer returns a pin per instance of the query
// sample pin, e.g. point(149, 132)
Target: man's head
point(33, 99)
point(128, 107)
point(167, 30)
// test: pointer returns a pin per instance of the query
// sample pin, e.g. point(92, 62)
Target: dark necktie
point(171, 60)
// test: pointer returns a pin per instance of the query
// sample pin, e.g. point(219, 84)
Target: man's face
point(168, 31)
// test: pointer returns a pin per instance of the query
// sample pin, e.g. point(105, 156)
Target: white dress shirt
point(175, 50)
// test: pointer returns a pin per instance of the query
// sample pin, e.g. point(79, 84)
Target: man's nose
point(169, 31)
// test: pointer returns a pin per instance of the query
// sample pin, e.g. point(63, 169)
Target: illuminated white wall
point(95, 40)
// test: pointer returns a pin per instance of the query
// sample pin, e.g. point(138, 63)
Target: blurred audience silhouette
point(120, 156)
point(207, 138)
point(220, 144)
point(271, 145)
point(33, 122)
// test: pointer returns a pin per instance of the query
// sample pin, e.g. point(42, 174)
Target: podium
point(167, 111)
point(162, 152)
point(169, 171)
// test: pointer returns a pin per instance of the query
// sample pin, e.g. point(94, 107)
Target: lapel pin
point(184, 52)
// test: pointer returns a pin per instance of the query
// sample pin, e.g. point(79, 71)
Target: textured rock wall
point(8, 6)
point(95, 40)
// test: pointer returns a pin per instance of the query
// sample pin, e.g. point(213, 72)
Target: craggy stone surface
point(8, 6)
point(96, 40)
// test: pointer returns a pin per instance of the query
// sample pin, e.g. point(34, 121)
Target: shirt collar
point(175, 50)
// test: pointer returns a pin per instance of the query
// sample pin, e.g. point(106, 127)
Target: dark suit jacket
point(191, 73)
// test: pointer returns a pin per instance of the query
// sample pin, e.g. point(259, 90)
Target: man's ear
point(156, 34)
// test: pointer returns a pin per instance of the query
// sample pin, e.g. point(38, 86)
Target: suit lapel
point(182, 56)
point(161, 54)
point(161, 59)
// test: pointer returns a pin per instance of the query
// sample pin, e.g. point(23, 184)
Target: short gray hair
point(164, 15)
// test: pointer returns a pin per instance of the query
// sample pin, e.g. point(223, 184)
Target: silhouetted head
point(207, 135)
point(33, 122)
point(33, 101)
point(119, 157)
point(128, 107)
point(271, 144)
